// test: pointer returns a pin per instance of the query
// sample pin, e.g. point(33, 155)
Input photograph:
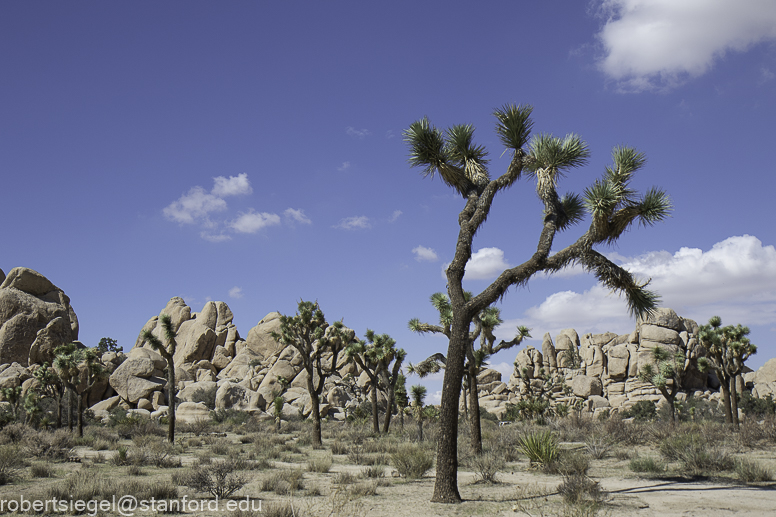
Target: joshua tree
point(167, 351)
point(613, 205)
point(277, 406)
point(727, 350)
point(374, 356)
point(418, 392)
point(318, 344)
point(666, 374)
point(400, 394)
point(483, 325)
point(50, 387)
point(78, 367)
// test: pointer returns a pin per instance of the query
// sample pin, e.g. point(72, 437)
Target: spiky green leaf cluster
point(614, 205)
point(727, 347)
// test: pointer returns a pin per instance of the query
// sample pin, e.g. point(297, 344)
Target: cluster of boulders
point(216, 369)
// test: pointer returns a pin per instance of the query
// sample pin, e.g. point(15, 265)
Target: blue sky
point(251, 152)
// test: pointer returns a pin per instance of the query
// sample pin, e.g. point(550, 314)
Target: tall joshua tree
point(727, 350)
point(167, 351)
point(319, 345)
point(544, 159)
point(78, 368)
point(374, 356)
point(480, 331)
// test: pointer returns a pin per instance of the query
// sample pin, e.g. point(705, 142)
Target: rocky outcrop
point(35, 318)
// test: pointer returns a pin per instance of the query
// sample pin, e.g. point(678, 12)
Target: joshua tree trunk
point(734, 401)
point(70, 410)
point(170, 400)
point(81, 398)
point(724, 384)
point(390, 405)
point(375, 416)
point(59, 410)
point(446, 484)
point(314, 398)
point(474, 414)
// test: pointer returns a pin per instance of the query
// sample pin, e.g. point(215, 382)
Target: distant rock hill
point(217, 369)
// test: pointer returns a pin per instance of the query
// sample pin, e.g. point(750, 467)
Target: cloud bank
point(658, 44)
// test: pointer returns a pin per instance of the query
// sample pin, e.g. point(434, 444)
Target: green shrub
point(41, 470)
point(373, 471)
point(751, 405)
point(344, 478)
point(641, 411)
point(540, 446)
point(338, 447)
point(412, 461)
point(695, 454)
point(750, 471)
point(647, 465)
point(598, 447)
point(364, 489)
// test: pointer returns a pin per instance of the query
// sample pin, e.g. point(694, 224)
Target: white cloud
point(357, 133)
point(422, 253)
point(506, 370)
point(735, 279)
point(486, 263)
point(231, 186)
point(297, 215)
point(434, 399)
point(235, 292)
point(195, 204)
point(353, 223)
point(252, 222)
point(395, 215)
point(215, 237)
point(653, 44)
point(345, 166)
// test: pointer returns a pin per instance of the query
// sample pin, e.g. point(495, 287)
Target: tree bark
point(390, 404)
point(446, 483)
point(59, 410)
point(314, 399)
point(81, 413)
point(375, 416)
point(734, 401)
point(474, 413)
point(170, 399)
point(724, 385)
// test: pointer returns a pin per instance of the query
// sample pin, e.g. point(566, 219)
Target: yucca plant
point(541, 447)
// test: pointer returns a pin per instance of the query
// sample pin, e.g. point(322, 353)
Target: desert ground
point(604, 467)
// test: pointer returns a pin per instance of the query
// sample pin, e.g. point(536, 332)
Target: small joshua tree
point(78, 367)
point(400, 394)
point(727, 350)
point(418, 392)
point(277, 407)
point(666, 374)
point(167, 352)
point(319, 345)
point(50, 387)
point(374, 356)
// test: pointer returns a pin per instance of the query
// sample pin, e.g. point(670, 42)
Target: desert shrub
point(207, 397)
point(230, 417)
point(540, 446)
point(364, 489)
point(641, 411)
point(578, 488)
point(344, 478)
point(284, 481)
point(220, 448)
point(274, 509)
point(41, 470)
point(11, 463)
point(197, 427)
point(621, 432)
point(751, 405)
point(45, 444)
point(695, 454)
point(412, 461)
point(623, 453)
point(568, 463)
point(647, 465)
point(16, 433)
point(159, 454)
point(486, 467)
point(320, 464)
point(749, 471)
point(373, 472)
point(338, 447)
point(98, 444)
point(135, 470)
point(219, 479)
point(598, 447)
